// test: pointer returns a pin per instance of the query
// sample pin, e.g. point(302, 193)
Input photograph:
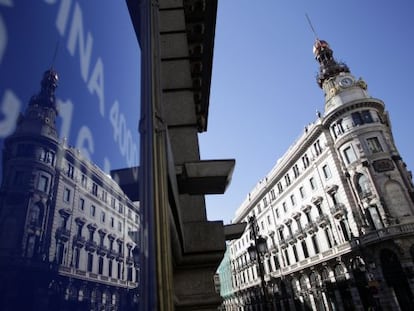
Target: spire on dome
point(329, 67)
point(46, 97)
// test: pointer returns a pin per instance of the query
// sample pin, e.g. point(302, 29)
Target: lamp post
point(257, 250)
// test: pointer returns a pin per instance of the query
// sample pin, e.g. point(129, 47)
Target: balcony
point(102, 250)
point(91, 246)
point(322, 220)
point(79, 241)
point(62, 234)
point(291, 239)
point(311, 227)
point(338, 210)
point(300, 234)
point(283, 243)
point(112, 254)
point(130, 260)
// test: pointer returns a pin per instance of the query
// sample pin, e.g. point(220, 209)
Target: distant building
point(337, 211)
point(64, 223)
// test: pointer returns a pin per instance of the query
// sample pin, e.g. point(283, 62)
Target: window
point(103, 217)
point(284, 206)
point(328, 238)
point(312, 183)
point(90, 262)
point(100, 265)
point(315, 244)
point(265, 202)
point(277, 213)
point(77, 257)
point(113, 202)
point(317, 148)
point(287, 179)
point(302, 192)
point(119, 226)
point(66, 195)
point(136, 218)
point(119, 270)
point(293, 200)
point(349, 155)
point(95, 189)
point(305, 161)
point(295, 170)
point(93, 210)
point(110, 268)
point(112, 222)
point(357, 119)
point(374, 145)
point(272, 195)
point(81, 204)
point(280, 187)
point(269, 221)
point(43, 183)
point(47, 156)
point(287, 257)
point(104, 196)
point(84, 180)
point(121, 208)
point(70, 171)
point(259, 209)
point(366, 116)
point(326, 171)
point(295, 253)
point(305, 249)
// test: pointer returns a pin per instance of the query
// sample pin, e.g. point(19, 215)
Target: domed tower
point(361, 133)
point(29, 168)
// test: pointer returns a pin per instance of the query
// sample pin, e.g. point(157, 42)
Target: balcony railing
point(338, 210)
point(91, 246)
point(311, 227)
point(112, 254)
point(79, 241)
point(102, 250)
point(283, 243)
point(62, 234)
point(300, 234)
point(322, 220)
point(291, 239)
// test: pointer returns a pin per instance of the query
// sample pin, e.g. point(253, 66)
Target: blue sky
point(264, 90)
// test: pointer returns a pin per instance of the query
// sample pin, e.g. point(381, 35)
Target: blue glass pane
point(69, 114)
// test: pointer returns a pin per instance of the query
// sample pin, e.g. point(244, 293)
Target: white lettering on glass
point(65, 109)
point(84, 142)
point(63, 15)
point(10, 108)
point(96, 84)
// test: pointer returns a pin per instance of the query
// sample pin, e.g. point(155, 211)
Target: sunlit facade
point(65, 224)
point(337, 211)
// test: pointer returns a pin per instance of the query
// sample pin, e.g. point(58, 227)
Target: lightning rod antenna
point(55, 54)
point(311, 27)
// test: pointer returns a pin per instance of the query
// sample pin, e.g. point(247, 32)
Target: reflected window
point(43, 183)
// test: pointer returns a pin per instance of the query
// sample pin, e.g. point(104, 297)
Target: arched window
point(363, 186)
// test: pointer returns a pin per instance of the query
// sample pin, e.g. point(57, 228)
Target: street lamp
point(257, 250)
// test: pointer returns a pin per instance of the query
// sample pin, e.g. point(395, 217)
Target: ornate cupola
point(329, 67)
point(40, 115)
point(335, 78)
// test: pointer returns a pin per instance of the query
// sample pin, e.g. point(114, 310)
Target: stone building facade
point(64, 241)
point(337, 211)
